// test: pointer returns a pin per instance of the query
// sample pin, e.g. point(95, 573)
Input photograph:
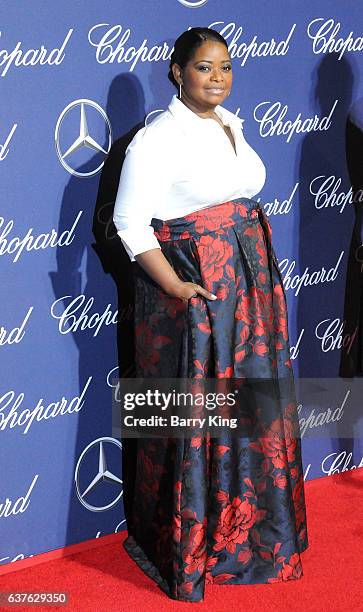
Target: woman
point(209, 304)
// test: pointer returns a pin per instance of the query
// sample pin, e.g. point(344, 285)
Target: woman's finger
point(205, 293)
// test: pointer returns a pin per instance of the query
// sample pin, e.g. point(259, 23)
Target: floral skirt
point(225, 509)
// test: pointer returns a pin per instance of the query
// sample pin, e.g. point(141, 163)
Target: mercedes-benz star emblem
point(84, 139)
point(147, 118)
point(193, 3)
point(103, 475)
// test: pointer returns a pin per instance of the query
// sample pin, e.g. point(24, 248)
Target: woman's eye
point(206, 68)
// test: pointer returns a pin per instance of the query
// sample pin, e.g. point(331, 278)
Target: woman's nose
point(217, 75)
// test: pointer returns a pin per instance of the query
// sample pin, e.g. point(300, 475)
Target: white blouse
point(178, 164)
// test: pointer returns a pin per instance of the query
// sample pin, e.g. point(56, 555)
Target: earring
point(180, 92)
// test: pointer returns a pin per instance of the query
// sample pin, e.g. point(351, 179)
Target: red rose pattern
point(226, 510)
point(234, 524)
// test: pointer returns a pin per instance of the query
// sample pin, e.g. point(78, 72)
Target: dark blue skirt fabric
point(218, 510)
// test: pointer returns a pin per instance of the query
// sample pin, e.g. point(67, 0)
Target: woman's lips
point(215, 90)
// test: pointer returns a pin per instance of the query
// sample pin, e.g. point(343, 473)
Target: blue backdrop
point(77, 80)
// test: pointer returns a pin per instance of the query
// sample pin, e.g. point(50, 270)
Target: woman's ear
point(177, 73)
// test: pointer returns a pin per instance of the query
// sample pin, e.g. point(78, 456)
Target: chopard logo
point(308, 277)
point(327, 195)
point(84, 139)
point(74, 316)
point(32, 57)
point(193, 3)
point(4, 148)
point(10, 507)
point(324, 34)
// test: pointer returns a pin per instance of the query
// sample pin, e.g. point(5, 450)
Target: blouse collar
point(191, 119)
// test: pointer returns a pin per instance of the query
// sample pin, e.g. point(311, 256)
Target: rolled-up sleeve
point(144, 182)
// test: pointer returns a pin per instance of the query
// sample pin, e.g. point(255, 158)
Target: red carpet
point(104, 578)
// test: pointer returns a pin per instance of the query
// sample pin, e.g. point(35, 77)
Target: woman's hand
point(186, 290)
point(157, 266)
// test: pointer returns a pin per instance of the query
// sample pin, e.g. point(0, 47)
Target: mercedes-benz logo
point(193, 3)
point(103, 474)
point(147, 118)
point(84, 139)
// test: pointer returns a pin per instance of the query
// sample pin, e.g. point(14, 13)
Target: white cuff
point(136, 240)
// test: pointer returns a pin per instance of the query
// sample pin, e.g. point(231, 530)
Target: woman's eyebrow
point(209, 62)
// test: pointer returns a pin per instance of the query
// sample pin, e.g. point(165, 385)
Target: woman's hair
point(186, 45)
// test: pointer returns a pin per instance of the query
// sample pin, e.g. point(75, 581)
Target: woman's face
point(207, 78)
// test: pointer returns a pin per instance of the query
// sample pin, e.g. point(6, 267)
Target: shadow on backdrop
point(325, 232)
point(108, 270)
point(79, 273)
point(351, 363)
